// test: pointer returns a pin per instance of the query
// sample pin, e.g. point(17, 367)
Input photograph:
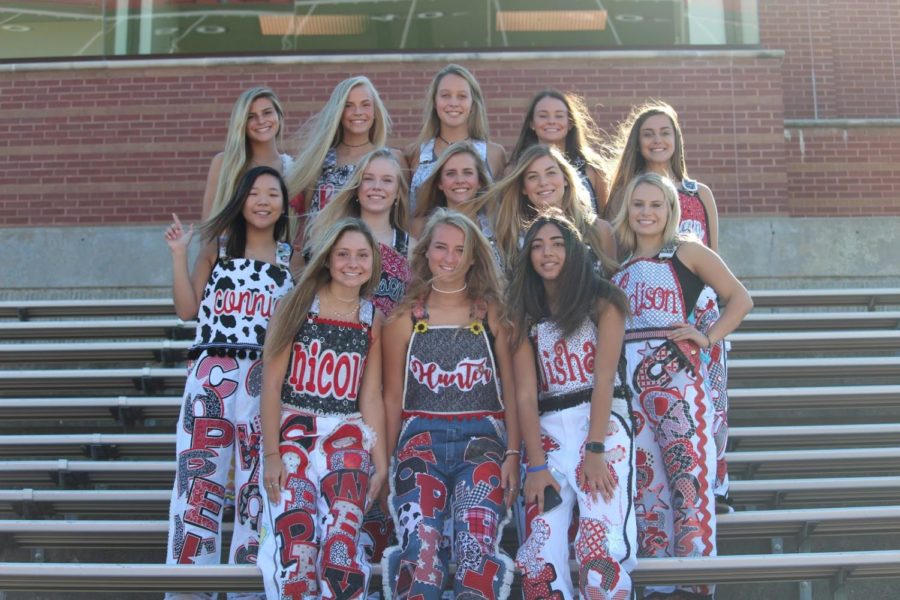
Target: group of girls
point(536, 337)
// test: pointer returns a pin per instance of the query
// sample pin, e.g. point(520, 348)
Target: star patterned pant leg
point(605, 543)
point(448, 470)
point(309, 541)
point(218, 423)
point(707, 313)
point(675, 455)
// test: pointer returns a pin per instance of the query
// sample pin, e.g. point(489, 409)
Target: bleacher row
point(90, 391)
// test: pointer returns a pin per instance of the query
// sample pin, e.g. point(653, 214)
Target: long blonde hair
point(346, 203)
point(294, 308)
point(324, 131)
point(430, 197)
point(625, 234)
point(514, 210)
point(431, 123)
point(236, 156)
point(625, 148)
point(483, 278)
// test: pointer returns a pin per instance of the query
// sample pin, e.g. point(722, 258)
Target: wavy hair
point(581, 138)
point(237, 148)
point(621, 225)
point(582, 285)
point(514, 210)
point(294, 308)
point(230, 219)
point(323, 131)
point(346, 202)
point(483, 278)
point(430, 197)
point(628, 162)
point(431, 123)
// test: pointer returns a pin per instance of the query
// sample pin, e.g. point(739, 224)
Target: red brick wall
point(112, 146)
point(843, 172)
point(853, 48)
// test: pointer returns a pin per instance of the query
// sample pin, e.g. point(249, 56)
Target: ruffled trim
point(230, 351)
point(499, 415)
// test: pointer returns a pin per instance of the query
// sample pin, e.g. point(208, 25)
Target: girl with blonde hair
point(666, 357)
point(352, 123)
point(254, 132)
point(454, 112)
point(451, 414)
point(376, 194)
point(650, 140)
point(541, 178)
point(324, 459)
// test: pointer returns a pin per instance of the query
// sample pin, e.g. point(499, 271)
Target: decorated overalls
point(219, 420)
point(581, 165)
point(330, 182)
point(309, 542)
point(447, 466)
point(428, 159)
point(695, 220)
point(395, 273)
point(673, 413)
point(605, 545)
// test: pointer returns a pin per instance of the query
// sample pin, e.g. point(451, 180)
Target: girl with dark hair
point(650, 141)
point(575, 413)
point(446, 355)
point(563, 121)
point(323, 422)
point(254, 132)
point(454, 112)
point(240, 275)
point(666, 356)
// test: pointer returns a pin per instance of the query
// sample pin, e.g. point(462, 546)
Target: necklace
point(349, 313)
point(365, 143)
point(344, 300)
point(466, 139)
point(440, 291)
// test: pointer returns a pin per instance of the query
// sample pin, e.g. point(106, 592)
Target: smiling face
point(445, 256)
point(648, 210)
point(459, 179)
point(359, 111)
point(262, 121)
point(656, 139)
point(350, 260)
point(265, 203)
point(379, 187)
point(543, 182)
point(548, 252)
point(551, 120)
point(453, 101)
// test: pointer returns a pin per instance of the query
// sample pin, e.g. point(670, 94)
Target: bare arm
point(712, 216)
point(395, 341)
point(607, 238)
point(212, 183)
point(530, 425)
point(610, 334)
point(496, 159)
point(371, 405)
point(274, 370)
point(731, 292)
point(187, 287)
point(510, 469)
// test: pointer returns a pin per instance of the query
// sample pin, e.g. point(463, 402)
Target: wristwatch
point(595, 447)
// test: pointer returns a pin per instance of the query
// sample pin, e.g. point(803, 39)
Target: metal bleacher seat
point(784, 321)
point(116, 407)
point(31, 309)
point(119, 474)
point(815, 491)
point(164, 351)
point(820, 462)
point(170, 328)
point(74, 445)
point(832, 342)
point(53, 533)
point(868, 298)
point(148, 380)
point(812, 397)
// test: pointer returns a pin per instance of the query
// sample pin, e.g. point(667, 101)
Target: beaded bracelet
point(536, 469)
point(509, 453)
